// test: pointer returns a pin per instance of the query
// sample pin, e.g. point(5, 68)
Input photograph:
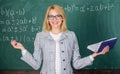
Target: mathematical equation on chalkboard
point(89, 8)
point(15, 21)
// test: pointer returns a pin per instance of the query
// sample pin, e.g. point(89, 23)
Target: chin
point(56, 26)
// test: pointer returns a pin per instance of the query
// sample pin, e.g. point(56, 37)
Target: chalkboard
point(91, 20)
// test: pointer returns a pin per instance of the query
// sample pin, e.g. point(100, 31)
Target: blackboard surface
point(91, 20)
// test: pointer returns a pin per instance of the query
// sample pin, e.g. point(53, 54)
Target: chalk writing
point(11, 13)
point(89, 8)
point(17, 21)
point(23, 38)
point(15, 29)
point(35, 29)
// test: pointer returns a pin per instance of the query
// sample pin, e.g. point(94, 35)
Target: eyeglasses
point(57, 17)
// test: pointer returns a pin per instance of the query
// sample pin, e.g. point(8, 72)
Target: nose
point(55, 18)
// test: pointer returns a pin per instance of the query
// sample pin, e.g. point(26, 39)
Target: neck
point(56, 31)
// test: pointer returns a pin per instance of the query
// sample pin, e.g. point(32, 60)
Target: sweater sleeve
point(77, 61)
point(33, 60)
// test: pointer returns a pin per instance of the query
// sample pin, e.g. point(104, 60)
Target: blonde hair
point(58, 9)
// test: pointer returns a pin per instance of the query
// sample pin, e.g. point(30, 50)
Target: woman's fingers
point(105, 50)
point(14, 43)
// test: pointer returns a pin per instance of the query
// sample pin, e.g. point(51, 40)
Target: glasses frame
point(57, 17)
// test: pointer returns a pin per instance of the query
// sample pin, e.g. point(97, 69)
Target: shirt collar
point(63, 36)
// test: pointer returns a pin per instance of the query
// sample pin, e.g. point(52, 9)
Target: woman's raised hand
point(104, 51)
point(17, 45)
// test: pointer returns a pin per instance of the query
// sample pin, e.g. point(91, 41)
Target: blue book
point(98, 47)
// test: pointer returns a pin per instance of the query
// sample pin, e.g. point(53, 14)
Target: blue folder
point(110, 43)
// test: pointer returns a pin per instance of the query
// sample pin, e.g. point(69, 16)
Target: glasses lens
point(51, 17)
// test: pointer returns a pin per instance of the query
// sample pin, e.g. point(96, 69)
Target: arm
point(77, 61)
point(33, 60)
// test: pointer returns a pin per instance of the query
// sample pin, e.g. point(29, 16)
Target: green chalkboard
point(91, 20)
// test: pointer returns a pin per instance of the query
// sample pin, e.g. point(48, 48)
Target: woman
point(56, 47)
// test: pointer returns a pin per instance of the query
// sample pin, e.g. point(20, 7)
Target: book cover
point(98, 47)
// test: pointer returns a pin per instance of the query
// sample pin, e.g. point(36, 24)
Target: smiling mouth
point(55, 23)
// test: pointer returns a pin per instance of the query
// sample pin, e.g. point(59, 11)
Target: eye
point(50, 16)
point(59, 15)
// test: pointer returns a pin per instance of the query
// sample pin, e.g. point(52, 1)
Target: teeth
point(55, 22)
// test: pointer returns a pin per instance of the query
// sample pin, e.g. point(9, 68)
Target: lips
point(55, 23)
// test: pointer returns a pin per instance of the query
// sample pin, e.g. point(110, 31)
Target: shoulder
point(70, 34)
point(42, 34)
